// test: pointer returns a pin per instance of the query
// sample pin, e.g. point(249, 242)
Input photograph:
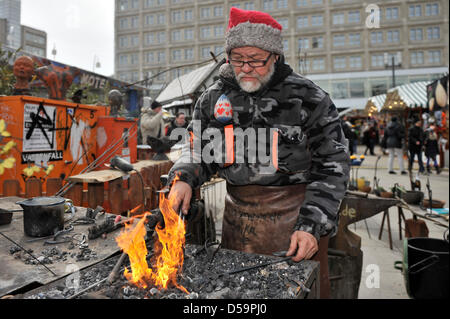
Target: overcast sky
point(80, 30)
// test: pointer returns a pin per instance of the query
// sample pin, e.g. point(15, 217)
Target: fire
point(169, 255)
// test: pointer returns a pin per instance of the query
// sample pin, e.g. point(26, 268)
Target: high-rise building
point(15, 35)
point(345, 46)
point(10, 10)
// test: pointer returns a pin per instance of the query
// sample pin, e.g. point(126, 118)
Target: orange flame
point(169, 253)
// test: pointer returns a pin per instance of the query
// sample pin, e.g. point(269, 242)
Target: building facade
point(345, 46)
point(34, 41)
point(10, 10)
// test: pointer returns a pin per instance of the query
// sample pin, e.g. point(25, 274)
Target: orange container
point(110, 131)
point(52, 139)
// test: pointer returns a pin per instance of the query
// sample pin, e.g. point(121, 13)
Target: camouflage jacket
point(311, 146)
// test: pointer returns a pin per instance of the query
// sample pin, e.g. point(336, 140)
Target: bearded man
point(289, 200)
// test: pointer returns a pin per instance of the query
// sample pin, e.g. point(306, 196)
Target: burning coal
point(168, 250)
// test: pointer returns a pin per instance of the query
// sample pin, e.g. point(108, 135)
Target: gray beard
point(251, 87)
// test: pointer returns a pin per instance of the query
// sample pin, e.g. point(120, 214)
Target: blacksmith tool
point(28, 253)
point(113, 275)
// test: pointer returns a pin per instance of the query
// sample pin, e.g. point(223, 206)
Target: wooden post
point(11, 187)
point(95, 195)
point(135, 193)
point(53, 186)
point(115, 196)
point(33, 188)
point(75, 193)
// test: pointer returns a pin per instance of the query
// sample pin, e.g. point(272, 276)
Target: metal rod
point(258, 266)
point(28, 253)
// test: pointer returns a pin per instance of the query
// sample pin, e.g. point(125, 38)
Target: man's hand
point(180, 194)
point(304, 244)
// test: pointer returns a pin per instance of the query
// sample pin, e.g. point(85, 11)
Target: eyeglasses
point(252, 64)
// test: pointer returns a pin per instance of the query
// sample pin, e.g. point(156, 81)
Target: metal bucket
point(43, 216)
point(425, 268)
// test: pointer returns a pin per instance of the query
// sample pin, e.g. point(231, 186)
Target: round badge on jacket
point(223, 111)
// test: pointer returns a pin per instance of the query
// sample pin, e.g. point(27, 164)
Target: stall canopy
point(375, 103)
point(412, 95)
point(185, 87)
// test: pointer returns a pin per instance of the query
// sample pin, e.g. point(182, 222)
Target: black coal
point(204, 275)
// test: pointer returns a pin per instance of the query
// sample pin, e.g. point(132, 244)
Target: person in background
point(350, 134)
point(178, 122)
point(394, 136)
point(431, 147)
point(370, 138)
point(415, 144)
point(152, 122)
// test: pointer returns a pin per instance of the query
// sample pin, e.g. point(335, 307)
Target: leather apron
point(261, 219)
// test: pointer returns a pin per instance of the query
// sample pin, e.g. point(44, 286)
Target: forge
point(205, 275)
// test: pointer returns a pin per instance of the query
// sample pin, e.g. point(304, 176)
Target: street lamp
point(96, 63)
point(396, 60)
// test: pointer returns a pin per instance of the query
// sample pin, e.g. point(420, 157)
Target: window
point(161, 18)
point(316, 2)
point(286, 45)
point(188, 15)
point(134, 59)
point(393, 36)
point(123, 42)
point(218, 11)
point(149, 38)
point(317, 42)
point(376, 37)
point(249, 6)
point(282, 4)
point(218, 31)
point(432, 9)
point(267, 5)
point(416, 58)
point(353, 17)
point(176, 55)
point(176, 16)
point(415, 10)
point(149, 57)
point(391, 13)
point(123, 5)
point(123, 23)
point(205, 52)
point(434, 57)
point(189, 34)
point(303, 44)
point(378, 86)
point(176, 36)
point(134, 4)
point(317, 20)
point(161, 56)
point(123, 59)
point(338, 18)
point(302, 22)
point(416, 34)
point(355, 62)
point(205, 32)
point(340, 90)
point(149, 3)
point(338, 40)
point(302, 3)
point(160, 2)
point(357, 88)
point(433, 33)
point(377, 60)
point(134, 40)
point(161, 37)
point(354, 39)
point(205, 13)
point(149, 19)
point(318, 64)
point(339, 62)
point(284, 22)
point(218, 49)
point(135, 22)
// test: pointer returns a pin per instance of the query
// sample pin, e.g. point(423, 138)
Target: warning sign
point(39, 128)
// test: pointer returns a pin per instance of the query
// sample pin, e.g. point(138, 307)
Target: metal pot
point(425, 267)
point(43, 216)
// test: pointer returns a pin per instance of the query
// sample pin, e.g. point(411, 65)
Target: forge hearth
point(204, 276)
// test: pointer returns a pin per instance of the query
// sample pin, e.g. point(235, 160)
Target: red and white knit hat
point(255, 29)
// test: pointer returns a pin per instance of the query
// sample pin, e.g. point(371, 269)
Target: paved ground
point(377, 252)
